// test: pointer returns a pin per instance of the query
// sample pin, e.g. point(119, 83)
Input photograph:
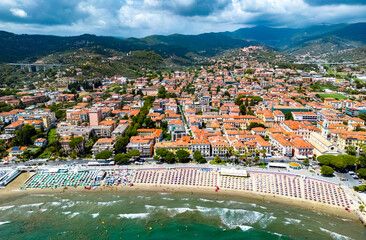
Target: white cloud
point(143, 17)
point(18, 12)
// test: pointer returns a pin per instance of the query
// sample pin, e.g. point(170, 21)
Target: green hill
point(314, 39)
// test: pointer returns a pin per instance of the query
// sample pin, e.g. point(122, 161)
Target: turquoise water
point(119, 215)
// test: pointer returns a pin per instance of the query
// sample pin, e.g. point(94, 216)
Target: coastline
point(13, 189)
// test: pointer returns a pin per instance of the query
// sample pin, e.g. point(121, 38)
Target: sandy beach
point(13, 189)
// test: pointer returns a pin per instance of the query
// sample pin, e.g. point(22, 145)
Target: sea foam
point(133, 215)
point(335, 235)
point(6, 207)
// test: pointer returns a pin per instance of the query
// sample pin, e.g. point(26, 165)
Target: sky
point(139, 18)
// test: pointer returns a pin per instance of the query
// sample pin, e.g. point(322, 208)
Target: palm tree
point(264, 151)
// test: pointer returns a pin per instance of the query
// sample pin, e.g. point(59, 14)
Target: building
point(302, 149)
point(355, 111)
point(322, 146)
point(120, 130)
point(103, 144)
point(305, 116)
point(278, 116)
point(16, 151)
point(40, 142)
point(279, 142)
point(144, 145)
point(95, 116)
point(201, 145)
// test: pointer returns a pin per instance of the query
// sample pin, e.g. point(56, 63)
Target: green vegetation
point(125, 158)
point(197, 155)
point(326, 170)
point(333, 95)
point(362, 173)
point(75, 142)
point(361, 188)
point(103, 155)
point(183, 156)
point(340, 162)
point(255, 125)
point(319, 87)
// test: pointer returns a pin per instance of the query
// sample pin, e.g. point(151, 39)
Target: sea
point(148, 215)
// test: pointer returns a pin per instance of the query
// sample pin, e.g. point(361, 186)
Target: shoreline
point(13, 189)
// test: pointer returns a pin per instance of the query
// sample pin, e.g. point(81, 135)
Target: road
point(183, 120)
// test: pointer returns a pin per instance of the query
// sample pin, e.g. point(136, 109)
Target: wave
point(335, 235)
point(31, 205)
point(166, 198)
point(6, 207)
point(238, 217)
point(172, 211)
point(94, 215)
point(43, 195)
point(144, 197)
point(110, 203)
point(55, 203)
point(2, 223)
point(134, 215)
point(74, 214)
point(244, 228)
point(69, 204)
point(292, 221)
point(206, 200)
point(66, 213)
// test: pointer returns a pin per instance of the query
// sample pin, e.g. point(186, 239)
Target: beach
point(14, 189)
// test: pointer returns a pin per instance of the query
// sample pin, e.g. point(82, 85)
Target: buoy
point(150, 228)
point(102, 222)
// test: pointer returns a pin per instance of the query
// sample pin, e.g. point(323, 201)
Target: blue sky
point(140, 18)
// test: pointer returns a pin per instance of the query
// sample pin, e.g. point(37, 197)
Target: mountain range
point(315, 40)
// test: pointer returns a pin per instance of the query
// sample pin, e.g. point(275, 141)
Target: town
point(233, 111)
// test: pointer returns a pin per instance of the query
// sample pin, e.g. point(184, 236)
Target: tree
point(24, 136)
point(288, 116)
point(74, 154)
point(60, 114)
point(217, 159)
point(256, 159)
point(325, 159)
point(242, 109)
point(170, 157)
point(161, 152)
point(362, 208)
point(362, 116)
point(351, 150)
point(326, 170)
point(198, 157)
point(75, 142)
point(254, 125)
point(121, 158)
point(103, 155)
point(149, 123)
point(133, 153)
point(361, 172)
point(264, 151)
point(120, 145)
point(183, 156)
point(27, 154)
point(306, 162)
